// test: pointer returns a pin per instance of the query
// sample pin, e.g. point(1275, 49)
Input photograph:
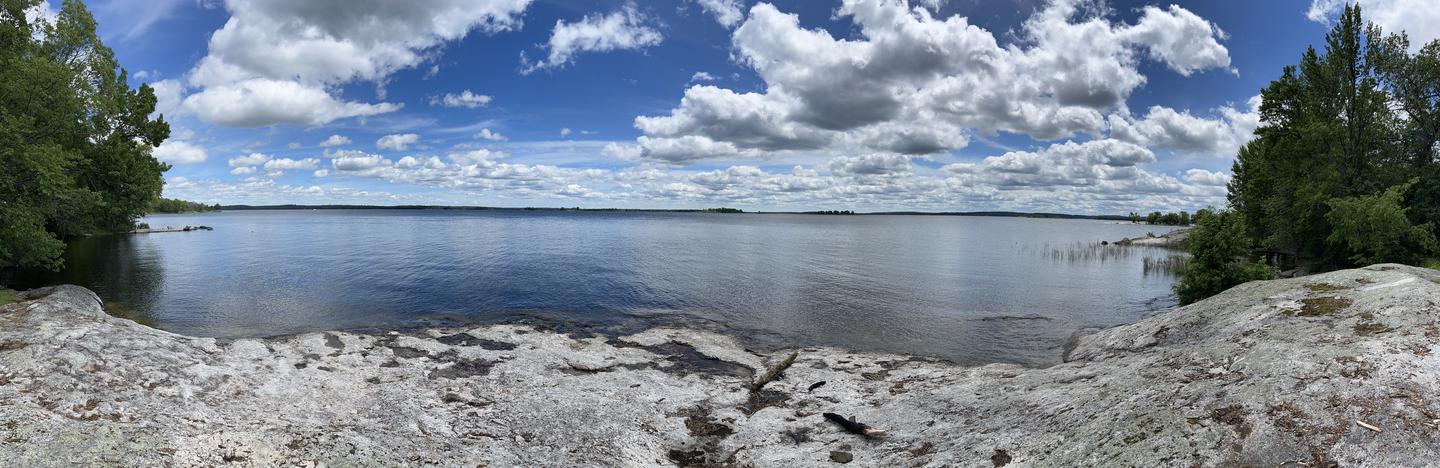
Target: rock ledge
point(1333, 368)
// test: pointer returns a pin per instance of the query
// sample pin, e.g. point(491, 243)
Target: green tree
point(1375, 228)
point(1325, 180)
point(1413, 83)
point(1218, 250)
point(75, 139)
point(168, 205)
point(1328, 132)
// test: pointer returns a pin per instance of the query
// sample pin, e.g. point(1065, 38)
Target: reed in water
point(1172, 265)
point(1156, 260)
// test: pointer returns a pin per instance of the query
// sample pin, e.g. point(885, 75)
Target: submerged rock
point(1333, 368)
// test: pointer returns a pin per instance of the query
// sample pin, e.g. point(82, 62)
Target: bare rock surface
point(1339, 368)
point(1176, 239)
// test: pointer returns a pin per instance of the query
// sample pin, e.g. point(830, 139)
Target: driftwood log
point(854, 427)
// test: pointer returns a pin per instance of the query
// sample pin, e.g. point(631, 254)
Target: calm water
point(969, 289)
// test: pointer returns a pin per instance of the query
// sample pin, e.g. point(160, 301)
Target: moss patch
point(1368, 327)
point(6, 296)
point(1323, 287)
point(1321, 306)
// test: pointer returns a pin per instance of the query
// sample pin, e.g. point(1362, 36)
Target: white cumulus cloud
point(252, 159)
point(335, 140)
point(464, 99)
point(625, 29)
point(486, 134)
point(912, 83)
point(726, 12)
point(1419, 19)
point(1204, 177)
point(169, 97)
point(398, 142)
point(871, 164)
point(282, 61)
point(258, 102)
point(179, 153)
point(286, 164)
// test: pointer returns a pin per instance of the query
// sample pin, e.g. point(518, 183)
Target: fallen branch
point(1366, 425)
point(774, 372)
point(854, 427)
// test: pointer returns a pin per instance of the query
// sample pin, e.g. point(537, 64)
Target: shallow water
point(970, 289)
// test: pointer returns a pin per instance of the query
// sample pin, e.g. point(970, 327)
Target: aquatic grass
point(1168, 263)
point(1082, 252)
point(1173, 265)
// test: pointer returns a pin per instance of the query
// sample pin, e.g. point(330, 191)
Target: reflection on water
point(972, 290)
point(112, 266)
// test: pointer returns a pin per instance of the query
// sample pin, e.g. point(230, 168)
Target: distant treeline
point(469, 208)
point(1005, 214)
point(1001, 214)
point(1179, 218)
point(397, 207)
point(170, 205)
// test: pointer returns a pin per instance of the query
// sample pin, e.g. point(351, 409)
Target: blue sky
point(1066, 106)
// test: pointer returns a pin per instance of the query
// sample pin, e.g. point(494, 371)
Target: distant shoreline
point(1003, 214)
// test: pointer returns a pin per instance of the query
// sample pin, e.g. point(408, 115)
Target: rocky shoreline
point(1333, 368)
point(1177, 239)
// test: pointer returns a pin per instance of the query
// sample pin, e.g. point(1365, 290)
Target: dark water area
point(969, 289)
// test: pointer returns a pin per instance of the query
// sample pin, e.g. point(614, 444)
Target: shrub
point(1218, 251)
point(1375, 228)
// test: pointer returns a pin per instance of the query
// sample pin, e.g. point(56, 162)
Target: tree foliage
point(75, 138)
point(1181, 218)
point(1350, 122)
point(170, 205)
point(1375, 228)
point(1326, 133)
point(1218, 257)
point(1343, 169)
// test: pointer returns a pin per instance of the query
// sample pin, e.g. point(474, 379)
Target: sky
point(1073, 106)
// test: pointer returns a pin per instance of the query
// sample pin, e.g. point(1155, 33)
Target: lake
point(969, 289)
